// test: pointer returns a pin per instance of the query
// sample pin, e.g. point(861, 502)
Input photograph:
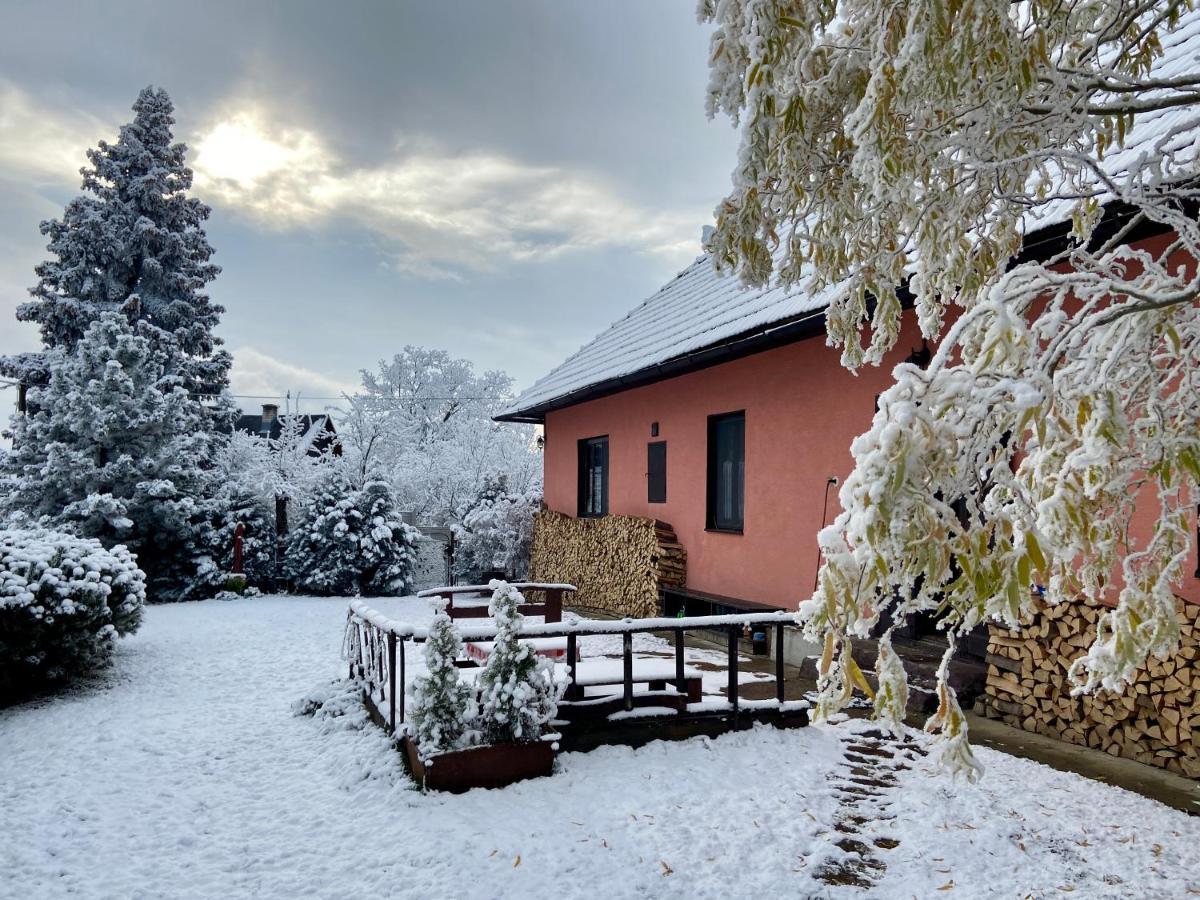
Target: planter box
point(494, 766)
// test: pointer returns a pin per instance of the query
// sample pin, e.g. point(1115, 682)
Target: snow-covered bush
point(443, 707)
point(496, 532)
point(114, 447)
point(351, 540)
point(518, 692)
point(64, 600)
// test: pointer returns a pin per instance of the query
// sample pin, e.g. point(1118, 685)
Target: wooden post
point(627, 646)
point(680, 679)
point(572, 653)
point(779, 686)
point(732, 690)
point(401, 683)
point(554, 604)
point(392, 680)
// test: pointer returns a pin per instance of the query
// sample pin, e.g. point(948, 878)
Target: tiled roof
point(700, 309)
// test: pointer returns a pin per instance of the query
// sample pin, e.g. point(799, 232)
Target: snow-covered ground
point(183, 773)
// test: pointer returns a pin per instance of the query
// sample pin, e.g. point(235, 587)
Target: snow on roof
point(700, 308)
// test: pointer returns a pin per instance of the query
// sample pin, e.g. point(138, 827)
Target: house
point(721, 411)
point(317, 430)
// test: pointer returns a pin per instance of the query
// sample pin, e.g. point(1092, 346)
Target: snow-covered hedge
point(64, 600)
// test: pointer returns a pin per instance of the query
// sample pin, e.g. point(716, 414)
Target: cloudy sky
point(500, 180)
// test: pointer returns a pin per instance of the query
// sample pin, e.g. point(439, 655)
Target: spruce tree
point(351, 540)
point(519, 694)
point(442, 705)
point(113, 448)
point(133, 242)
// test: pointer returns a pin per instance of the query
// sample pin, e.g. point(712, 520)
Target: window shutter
point(656, 472)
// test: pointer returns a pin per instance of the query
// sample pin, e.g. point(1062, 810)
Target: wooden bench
point(653, 673)
point(550, 608)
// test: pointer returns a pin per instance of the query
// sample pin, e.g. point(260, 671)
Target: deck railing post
point(680, 679)
point(779, 676)
point(401, 699)
point(572, 659)
point(733, 671)
point(392, 681)
point(627, 647)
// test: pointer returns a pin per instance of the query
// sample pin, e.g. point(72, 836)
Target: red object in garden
point(239, 535)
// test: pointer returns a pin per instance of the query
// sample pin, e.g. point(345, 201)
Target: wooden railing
point(375, 649)
point(550, 609)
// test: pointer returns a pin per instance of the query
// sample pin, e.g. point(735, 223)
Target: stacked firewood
point(618, 563)
point(1155, 720)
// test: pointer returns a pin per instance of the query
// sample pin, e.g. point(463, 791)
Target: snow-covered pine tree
point(113, 448)
point(132, 242)
point(351, 540)
point(518, 692)
point(443, 707)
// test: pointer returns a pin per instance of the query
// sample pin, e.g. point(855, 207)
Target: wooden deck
point(610, 700)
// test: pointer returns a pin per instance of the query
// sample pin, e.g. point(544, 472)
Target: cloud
point(44, 143)
point(435, 212)
point(441, 212)
point(260, 377)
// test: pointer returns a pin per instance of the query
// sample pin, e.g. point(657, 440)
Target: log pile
point(617, 562)
point(1155, 720)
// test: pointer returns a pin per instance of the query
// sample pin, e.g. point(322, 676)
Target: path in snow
point(183, 773)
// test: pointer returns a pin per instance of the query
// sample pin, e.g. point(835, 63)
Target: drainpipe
point(833, 481)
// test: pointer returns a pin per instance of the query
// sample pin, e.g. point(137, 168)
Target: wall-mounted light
point(653, 429)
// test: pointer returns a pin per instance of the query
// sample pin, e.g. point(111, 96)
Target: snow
point(184, 773)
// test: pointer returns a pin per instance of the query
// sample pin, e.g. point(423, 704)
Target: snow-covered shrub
point(443, 707)
point(115, 448)
point(496, 532)
point(336, 705)
point(64, 600)
point(351, 540)
point(518, 691)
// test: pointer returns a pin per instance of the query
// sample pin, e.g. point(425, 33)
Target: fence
point(375, 647)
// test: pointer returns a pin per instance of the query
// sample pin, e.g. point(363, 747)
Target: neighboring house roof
point(701, 318)
point(318, 430)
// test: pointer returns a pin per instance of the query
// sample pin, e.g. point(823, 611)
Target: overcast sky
point(500, 180)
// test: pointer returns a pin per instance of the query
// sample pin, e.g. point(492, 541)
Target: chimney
point(269, 414)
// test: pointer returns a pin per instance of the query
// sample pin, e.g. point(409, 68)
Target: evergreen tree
point(237, 506)
point(132, 242)
point(114, 448)
point(351, 540)
point(442, 705)
point(518, 692)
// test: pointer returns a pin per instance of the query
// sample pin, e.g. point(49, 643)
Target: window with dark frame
point(593, 476)
point(656, 472)
point(727, 472)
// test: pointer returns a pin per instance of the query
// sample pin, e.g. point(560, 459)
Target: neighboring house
point(721, 411)
point(318, 429)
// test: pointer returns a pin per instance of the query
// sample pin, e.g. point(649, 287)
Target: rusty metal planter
point(493, 766)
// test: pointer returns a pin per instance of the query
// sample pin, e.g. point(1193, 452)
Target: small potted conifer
point(458, 738)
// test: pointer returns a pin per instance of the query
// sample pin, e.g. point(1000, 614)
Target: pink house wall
point(802, 412)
